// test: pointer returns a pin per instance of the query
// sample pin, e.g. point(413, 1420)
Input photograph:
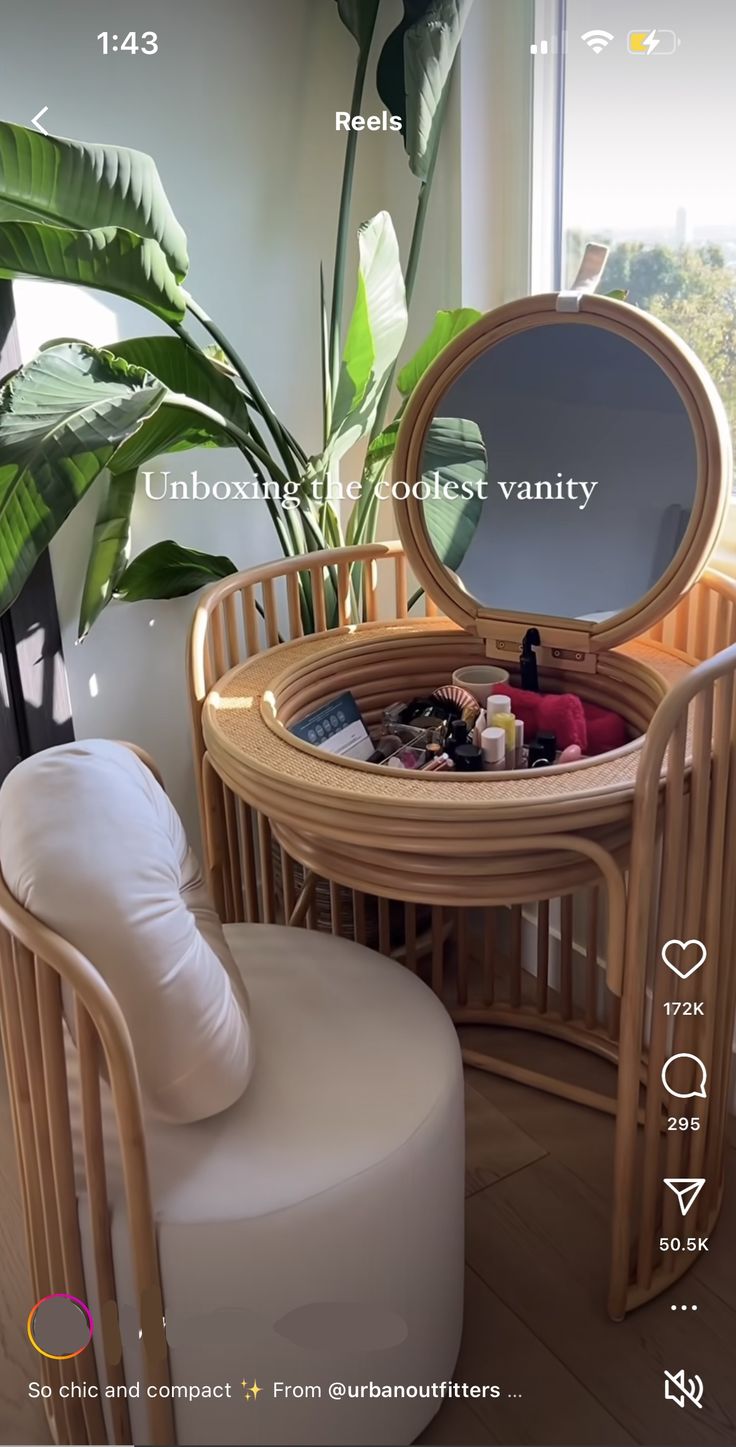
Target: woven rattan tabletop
point(247, 742)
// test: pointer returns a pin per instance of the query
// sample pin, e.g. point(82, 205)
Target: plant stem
point(250, 449)
point(266, 411)
point(257, 448)
point(412, 266)
point(343, 217)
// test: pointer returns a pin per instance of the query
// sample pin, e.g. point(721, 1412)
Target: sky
point(645, 135)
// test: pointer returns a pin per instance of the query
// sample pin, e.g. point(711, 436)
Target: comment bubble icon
point(671, 1072)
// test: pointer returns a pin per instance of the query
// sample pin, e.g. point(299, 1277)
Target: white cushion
point(314, 1232)
point(91, 845)
point(353, 1053)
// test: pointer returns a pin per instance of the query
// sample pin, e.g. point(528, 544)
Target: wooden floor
point(538, 1187)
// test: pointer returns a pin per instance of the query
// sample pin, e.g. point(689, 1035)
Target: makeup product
point(537, 757)
point(570, 755)
point(434, 750)
point(468, 759)
point(431, 713)
point(500, 717)
point(548, 742)
point(412, 758)
point(481, 723)
point(458, 735)
point(407, 758)
point(394, 714)
point(467, 705)
point(438, 765)
point(519, 750)
point(385, 745)
point(493, 748)
point(479, 679)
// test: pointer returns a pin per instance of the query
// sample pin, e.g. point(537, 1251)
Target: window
point(646, 167)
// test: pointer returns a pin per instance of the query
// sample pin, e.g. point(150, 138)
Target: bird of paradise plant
point(98, 216)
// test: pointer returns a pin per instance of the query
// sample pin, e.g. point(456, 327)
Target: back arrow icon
point(37, 118)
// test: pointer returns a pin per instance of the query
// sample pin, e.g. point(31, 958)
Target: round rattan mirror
point(568, 469)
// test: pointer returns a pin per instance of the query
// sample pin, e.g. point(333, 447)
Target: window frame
point(548, 148)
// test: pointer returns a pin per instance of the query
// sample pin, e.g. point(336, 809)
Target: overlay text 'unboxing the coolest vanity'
point(541, 897)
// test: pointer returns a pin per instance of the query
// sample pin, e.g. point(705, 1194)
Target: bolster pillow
point(91, 845)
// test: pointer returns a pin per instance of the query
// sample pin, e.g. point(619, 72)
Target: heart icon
point(683, 945)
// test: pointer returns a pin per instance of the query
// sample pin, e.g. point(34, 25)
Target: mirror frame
point(713, 487)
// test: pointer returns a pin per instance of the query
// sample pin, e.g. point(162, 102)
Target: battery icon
point(652, 42)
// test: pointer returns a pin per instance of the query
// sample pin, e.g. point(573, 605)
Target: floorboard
point(538, 1193)
point(539, 1239)
point(496, 1145)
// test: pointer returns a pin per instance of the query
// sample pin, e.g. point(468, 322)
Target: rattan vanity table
point(510, 843)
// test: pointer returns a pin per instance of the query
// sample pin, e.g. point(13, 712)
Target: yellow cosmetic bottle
point(499, 715)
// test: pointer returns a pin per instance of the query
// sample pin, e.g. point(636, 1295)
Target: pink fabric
point(562, 714)
point(596, 730)
point(606, 730)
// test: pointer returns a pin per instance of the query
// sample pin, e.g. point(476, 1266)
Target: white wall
point(495, 105)
point(238, 110)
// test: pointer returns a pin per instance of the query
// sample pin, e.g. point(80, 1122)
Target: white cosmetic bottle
point(493, 746)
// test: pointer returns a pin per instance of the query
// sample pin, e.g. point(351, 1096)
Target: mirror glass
point(561, 469)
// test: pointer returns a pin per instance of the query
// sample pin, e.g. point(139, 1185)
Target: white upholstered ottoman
point(304, 1136)
point(313, 1232)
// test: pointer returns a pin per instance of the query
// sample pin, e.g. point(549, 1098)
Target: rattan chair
point(34, 961)
point(316, 1174)
point(682, 887)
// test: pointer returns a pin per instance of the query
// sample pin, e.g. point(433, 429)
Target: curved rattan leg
point(683, 862)
point(553, 1015)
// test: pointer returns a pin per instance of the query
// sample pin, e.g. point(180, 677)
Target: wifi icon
point(597, 40)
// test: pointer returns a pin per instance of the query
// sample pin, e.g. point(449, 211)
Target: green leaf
point(447, 326)
point(360, 17)
point(46, 179)
point(384, 445)
point(413, 71)
point(110, 548)
point(362, 520)
point(376, 332)
point(183, 372)
point(325, 357)
point(618, 295)
point(62, 419)
point(453, 449)
point(108, 259)
point(167, 570)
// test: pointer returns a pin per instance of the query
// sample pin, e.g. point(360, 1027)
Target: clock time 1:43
point(146, 42)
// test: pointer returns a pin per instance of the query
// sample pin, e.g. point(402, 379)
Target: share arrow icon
point(687, 1189)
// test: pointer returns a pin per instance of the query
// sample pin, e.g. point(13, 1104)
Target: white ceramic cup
point(479, 679)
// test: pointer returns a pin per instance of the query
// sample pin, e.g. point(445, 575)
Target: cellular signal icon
point(597, 40)
point(546, 47)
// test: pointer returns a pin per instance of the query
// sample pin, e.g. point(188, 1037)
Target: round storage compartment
point(397, 668)
point(382, 830)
